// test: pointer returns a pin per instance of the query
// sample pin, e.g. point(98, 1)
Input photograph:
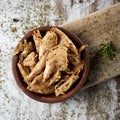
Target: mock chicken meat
point(40, 87)
point(65, 41)
point(23, 70)
point(48, 42)
point(39, 67)
point(49, 64)
point(37, 39)
point(19, 48)
point(31, 60)
point(56, 60)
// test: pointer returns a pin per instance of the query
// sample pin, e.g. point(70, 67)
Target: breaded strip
point(56, 60)
point(37, 79)
point(37, 39)
point(37, 69)
point(65, 41)
point(55, 78)
point(40, 87)
point(66, 85)
point(82, 48)
point(23, 70)
point(18, 49)
point(30, 60)
point(48, 41)
point(28, 47)
point(73, 59)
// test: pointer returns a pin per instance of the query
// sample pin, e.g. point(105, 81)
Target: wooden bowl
point(52, 98)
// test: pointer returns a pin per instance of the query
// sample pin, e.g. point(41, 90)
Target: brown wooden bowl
point(52, 98)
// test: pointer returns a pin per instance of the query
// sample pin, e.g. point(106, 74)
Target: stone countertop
point(17, 17)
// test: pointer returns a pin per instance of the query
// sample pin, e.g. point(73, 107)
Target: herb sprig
point(107, 51)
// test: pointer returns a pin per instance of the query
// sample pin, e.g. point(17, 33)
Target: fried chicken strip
point(28, 47)
point(37, 69)
point(65, 41)
point(55, 78)
point(37, 39)
point(30, 60)
point(23, 70)
point(18, 49)
point(48, 41)
point(40, 87)
point(56, 60)
point(66, 85)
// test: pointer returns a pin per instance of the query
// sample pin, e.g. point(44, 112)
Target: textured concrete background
point(17, 17)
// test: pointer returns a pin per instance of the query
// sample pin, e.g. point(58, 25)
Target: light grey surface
point(97, 103)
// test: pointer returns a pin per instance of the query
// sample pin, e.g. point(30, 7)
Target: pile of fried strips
point(49, 64)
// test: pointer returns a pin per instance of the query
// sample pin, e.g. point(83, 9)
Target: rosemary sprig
point(107, 51)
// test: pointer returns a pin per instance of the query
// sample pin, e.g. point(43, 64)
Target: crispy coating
point(28, 47)
point(65, 41)
point(30, 60)
point(23, 70)
point(37, 69)
point(37, 79)
point(66, 85)
point(73, 59)
point(19, 48)
point(37, 39)
point(48, 42)
point(40, 87)
point(55, 78)
point(82, 48)
point(56, 60)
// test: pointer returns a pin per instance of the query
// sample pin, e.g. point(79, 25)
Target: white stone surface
point(97, 103)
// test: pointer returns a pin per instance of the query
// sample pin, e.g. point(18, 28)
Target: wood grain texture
point(97, 29)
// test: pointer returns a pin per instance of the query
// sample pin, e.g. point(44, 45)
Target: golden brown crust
point(40, 87)
point(18, 49)
point(56, 60)
point(66, 85)
point(23, 70)
point(28, 47)
point(48, 42)
point(37, 69)
point(37, 39)
point(30, 60)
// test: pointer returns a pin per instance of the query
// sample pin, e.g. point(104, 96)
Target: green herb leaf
point(107, 50)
